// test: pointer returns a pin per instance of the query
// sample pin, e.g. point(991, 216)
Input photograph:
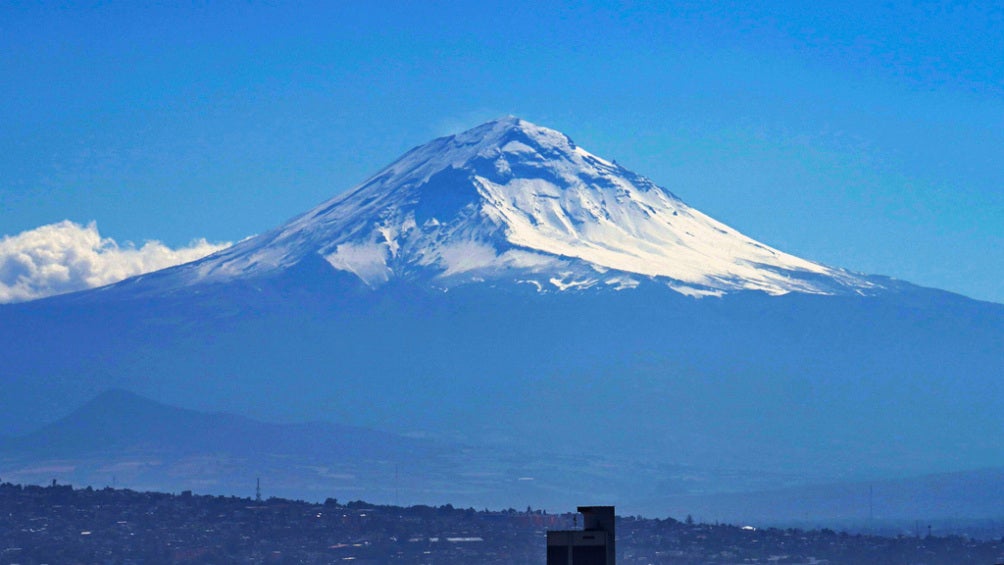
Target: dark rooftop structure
point(594, 544)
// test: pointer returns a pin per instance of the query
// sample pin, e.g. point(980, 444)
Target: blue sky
point(863, 135)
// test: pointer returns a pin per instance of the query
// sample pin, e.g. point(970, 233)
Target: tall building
point(594, 544)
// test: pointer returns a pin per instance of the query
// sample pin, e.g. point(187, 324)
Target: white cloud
point(67, 256)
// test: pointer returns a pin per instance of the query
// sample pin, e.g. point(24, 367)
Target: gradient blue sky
point(864, 135)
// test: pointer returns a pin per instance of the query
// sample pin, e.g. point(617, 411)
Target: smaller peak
point(117, 400)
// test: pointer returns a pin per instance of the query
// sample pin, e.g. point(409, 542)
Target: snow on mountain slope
point(512, 201)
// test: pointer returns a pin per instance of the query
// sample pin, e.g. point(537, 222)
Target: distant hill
point(118, 421)
point(123, 438)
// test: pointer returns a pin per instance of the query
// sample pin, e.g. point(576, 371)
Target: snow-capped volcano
point(340, 315)
point(513, 201)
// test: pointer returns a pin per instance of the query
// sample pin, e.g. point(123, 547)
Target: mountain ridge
point(149, 444)
point(118, 419)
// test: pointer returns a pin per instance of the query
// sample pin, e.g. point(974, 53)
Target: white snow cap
point(513, 201)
